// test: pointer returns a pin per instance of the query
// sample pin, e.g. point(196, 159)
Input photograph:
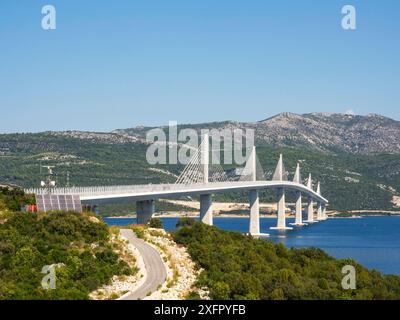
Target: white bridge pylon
point(199, 170)
point(202, 178)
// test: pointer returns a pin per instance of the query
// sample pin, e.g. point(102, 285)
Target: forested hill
point(79, 245)
point(357, 160)
point(240, 267)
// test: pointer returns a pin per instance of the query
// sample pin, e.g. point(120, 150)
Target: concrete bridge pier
point(319, 211)
point(281, 224)
point(206, 213)
point(254, 226)
point(310, 211)
point(144, 211)
point(299, 213)
point(324, 216)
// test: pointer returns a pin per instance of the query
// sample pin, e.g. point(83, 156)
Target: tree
point(156, 223)
point(236, 266)
point(185, 222)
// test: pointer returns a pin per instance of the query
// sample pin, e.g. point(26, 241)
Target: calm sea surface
point(372, 241)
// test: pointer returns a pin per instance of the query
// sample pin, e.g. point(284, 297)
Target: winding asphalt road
point(156, 273)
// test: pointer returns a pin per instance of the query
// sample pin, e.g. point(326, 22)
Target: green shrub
point(185, 222)
point(14, 199)
point(241, 267)
point(156, 223)
point(80, 246)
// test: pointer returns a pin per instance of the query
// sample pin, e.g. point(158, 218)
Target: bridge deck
point(147, 192)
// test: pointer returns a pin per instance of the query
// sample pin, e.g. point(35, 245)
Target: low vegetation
point(78, 244)
point(156, 223)
point(241, 267)
point(14, 199)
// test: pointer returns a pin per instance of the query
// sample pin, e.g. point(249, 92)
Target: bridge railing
point(96, 191)
point(101, 190)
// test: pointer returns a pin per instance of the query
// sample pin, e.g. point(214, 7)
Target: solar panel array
point(51, 202)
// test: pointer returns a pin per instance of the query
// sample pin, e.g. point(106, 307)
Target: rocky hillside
point(325, 132)
point(332, 132)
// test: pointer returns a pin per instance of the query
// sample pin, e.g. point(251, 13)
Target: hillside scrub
point(241, 267)
point(78, 243)
point(14, 199)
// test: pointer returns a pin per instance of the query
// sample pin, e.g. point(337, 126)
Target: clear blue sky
point(121, 63)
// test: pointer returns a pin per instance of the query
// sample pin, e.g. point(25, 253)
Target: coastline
point(332, 214)
point(376, 211)
point(181, 215)
point(240, 210)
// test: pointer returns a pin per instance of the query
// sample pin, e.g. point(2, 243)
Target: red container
point(32, 208)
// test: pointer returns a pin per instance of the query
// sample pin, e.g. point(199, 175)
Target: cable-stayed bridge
point(204, 179)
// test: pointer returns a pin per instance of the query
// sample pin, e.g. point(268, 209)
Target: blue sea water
point(372, 241)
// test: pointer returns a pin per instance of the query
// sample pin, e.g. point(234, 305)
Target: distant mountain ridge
point(324, 132)
point(330, 133)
